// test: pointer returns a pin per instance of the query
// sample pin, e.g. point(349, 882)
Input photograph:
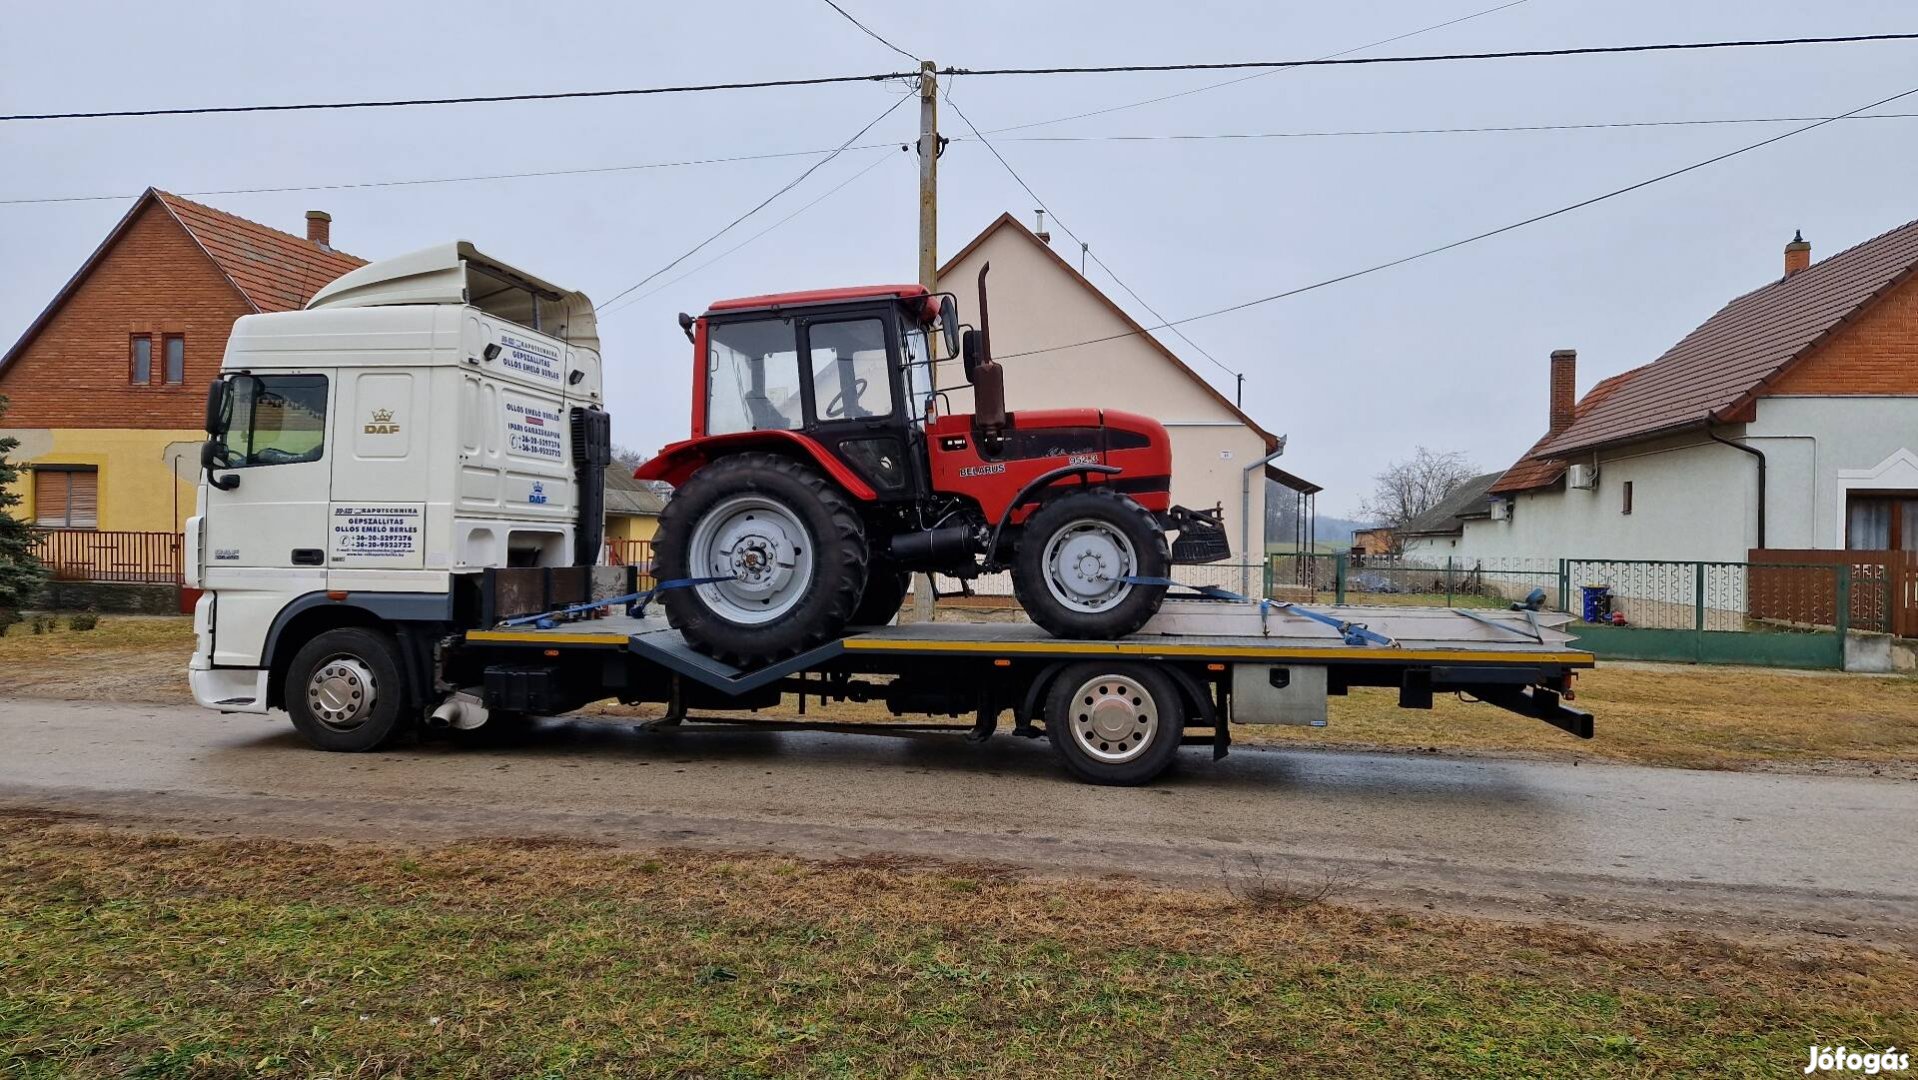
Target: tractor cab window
point(918, 362)
point(752, 377)
point(851, 376)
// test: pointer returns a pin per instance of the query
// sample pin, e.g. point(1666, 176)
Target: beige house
point(1039, 301)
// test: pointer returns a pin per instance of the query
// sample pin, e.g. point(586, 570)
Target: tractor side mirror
point(949, 322)
point(971, 351)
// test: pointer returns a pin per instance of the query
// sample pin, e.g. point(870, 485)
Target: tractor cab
point(849, 369)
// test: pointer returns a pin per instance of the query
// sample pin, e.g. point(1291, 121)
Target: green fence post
point(1843, 614)
point(1338, 578)
point(1698, 609)
point(1564, 584)
point(1269, 560)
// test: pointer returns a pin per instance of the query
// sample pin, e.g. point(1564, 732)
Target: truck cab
point(423, 419)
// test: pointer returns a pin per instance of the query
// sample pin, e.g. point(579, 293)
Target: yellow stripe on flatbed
point(1063, 647)
point(545, 637)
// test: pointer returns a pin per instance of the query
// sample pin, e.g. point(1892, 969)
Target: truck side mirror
point(219, 407)
point(971, 350)
point(215, 455)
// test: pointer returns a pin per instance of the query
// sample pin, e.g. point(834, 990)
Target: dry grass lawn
point(1652, 714)
point(162, 957)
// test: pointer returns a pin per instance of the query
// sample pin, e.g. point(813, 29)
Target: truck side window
point(752, 377)
point(277, 420)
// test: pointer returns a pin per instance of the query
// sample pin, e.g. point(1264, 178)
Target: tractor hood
point(458, 273)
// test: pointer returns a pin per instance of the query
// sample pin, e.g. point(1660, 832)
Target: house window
point(66, 496)
point(141, 361)
point(1626, 506)
point(173, 347)
point(1882, 522)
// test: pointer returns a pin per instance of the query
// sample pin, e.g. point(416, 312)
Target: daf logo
point(382, 423)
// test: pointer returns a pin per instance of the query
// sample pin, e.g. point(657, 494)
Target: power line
point(1605, 125)
point(670, 282)
point(585, 171)
point(980, 72)
point(203, 110)
point(790, 184)
point(1085, 247)
point(1508, 54)
point(870, 32)
point(1259, 74)
point(1402, 260)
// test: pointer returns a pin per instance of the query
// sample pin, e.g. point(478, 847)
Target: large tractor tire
point(790, 543)
point(886, 587)
point(1073, 558)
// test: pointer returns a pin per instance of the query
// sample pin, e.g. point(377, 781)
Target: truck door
point(376, 520)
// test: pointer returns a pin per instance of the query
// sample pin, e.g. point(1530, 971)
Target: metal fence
point(632, 553)
point(144, 558)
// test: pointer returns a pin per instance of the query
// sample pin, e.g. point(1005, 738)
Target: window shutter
point(83, 505)
point(50, 498)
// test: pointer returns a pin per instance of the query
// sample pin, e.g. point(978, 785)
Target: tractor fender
point(1040, 483)
point(677, 461)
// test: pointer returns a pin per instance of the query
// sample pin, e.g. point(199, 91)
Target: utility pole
point(928, 255)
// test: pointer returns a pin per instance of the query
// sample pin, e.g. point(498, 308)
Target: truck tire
point(346, 691)
point(791, 541)
point(885, 592)
point(1115, 723)
point(1072, 555)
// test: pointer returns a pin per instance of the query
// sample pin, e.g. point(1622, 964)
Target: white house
point(1039, 302)
point(1788, 420)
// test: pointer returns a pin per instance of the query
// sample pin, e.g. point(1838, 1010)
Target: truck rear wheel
point(345, 690)
point(789, 543)
point(1073, 558)
point(1115, 723)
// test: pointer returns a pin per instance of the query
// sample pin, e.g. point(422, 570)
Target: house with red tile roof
point(1788, 419)
point(106, 389)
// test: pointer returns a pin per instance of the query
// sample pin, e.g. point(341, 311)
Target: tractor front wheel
point(788, 544)
point(1075, 556)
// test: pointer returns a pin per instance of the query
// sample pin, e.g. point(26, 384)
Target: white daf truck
point(400, 525)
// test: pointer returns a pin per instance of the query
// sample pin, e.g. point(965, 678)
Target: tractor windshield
point(752, 377)
point(918, 361)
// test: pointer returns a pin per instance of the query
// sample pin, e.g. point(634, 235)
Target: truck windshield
point(277, 420)
point(752, 377)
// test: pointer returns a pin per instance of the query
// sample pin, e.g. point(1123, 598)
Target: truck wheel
point(345, 690)
point(1117, 724)
point(790, 543)
point(885, 592)
point(1073, 556)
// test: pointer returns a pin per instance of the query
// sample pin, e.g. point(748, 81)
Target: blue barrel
point(1597, 602)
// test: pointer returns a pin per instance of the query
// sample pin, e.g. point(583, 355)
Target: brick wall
point(1875, 354)
point(154, 280)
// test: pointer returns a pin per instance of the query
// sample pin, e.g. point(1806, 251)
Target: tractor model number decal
point(530, 358)
point(993, 469)
point(1083, 459)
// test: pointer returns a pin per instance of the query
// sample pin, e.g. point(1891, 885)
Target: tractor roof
point(819, 296)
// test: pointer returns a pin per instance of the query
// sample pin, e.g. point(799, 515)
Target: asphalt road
point(1740, 853)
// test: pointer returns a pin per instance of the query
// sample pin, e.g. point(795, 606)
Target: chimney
point(1044, 236)
point(319, 228)
point(1797, 253)
point(1564, 392)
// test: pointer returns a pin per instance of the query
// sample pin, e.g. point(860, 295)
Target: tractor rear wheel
point(885, 592)
point(789, 544)
point(1074, 557)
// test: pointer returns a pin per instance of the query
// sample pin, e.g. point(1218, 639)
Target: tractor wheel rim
point(341, 693)
point(761, 545)
point(1086, 565)
point(1113, 719)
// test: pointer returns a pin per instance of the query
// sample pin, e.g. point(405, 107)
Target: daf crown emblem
point(382, 423)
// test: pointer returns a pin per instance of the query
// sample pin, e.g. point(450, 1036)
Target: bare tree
point(628, 456)
point(1409, 488)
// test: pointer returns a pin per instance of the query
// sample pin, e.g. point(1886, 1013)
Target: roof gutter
point(1710, 420)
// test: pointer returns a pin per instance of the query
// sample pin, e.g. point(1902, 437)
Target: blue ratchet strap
point(1350, 632)
point(635, 604)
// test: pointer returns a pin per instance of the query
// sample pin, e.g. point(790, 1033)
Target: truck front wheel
point(345, 690)
point(1115, 723)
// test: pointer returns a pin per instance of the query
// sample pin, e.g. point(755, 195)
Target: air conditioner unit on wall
point(1501, 510)
point(1582, 477)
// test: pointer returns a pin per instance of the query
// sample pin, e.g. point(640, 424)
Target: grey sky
point(1449, 352)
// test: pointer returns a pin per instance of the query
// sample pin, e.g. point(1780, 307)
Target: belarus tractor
point(821, 473)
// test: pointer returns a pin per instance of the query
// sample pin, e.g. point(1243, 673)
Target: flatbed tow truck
point(400, 524)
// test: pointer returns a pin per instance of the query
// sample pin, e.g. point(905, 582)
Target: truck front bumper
point(239, 690)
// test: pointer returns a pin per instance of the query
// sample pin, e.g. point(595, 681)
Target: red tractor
point(820, 474)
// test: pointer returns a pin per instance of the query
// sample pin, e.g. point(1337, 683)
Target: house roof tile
point(1730, 357)
point(274, 270)
point(1469, 499)
point(1536, 471)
